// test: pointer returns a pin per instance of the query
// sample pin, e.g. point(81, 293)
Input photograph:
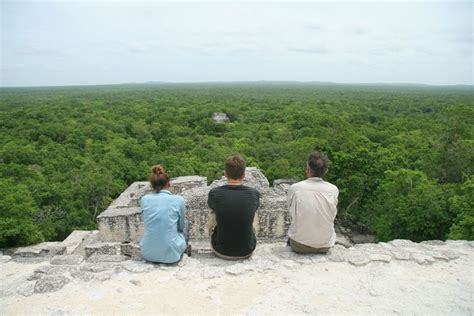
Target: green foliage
point(17, 209)
point(463, 206)
point(408, 205)
point(65, 153)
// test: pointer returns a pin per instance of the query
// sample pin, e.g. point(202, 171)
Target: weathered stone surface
point(400, 254)
point(26, 289)
point(75, 239)
point(121, 224)
point(283, 184)
point(67, 259)
point(338, 253)
point(358, 258)
point(219, 117)
point(130, 250)
point(211, 273)
point(362, 238)
point(450, 254)
point(290, 264)
point(422, 258)
point(433, 242)
point(239, 268)
point(85, 276)
point(402, 243)
point(63, 269)
point(43, 269)
point(253, 178)
point(106, 258)
point(181, 184)
point(35, 276)
point(380, 257)
point(45, 249)
point(97, 267)
point(4, 259)
point(103, 248)
point(137, 266)
point(50, 284)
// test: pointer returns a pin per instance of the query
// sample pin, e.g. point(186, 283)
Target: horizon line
point(379, 83)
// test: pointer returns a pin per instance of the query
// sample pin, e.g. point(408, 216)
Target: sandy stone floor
point(368, 279)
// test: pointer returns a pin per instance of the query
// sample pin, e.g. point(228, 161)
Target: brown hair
point(158, 178)
point(235, 167)
point(318, 163)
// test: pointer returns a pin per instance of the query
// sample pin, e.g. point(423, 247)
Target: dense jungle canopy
point(402, 156)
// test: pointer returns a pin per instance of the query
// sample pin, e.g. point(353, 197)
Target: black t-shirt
point(235, 207)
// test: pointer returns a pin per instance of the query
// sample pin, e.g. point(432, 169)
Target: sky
point(107, 42)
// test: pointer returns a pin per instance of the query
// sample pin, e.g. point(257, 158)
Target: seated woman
point(165, 237)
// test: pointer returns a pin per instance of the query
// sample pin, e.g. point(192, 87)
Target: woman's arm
point(182, 215)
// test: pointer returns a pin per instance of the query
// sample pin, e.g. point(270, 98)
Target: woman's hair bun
point(158, 169)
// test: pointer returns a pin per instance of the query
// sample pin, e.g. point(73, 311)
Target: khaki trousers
point(300, 248)
point(211, 225)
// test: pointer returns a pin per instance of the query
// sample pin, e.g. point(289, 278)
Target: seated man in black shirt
point(233, 209)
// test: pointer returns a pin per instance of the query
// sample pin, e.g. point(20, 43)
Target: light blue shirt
point(163, 216)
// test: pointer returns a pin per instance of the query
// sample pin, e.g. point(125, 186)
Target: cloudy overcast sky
point(102, 42)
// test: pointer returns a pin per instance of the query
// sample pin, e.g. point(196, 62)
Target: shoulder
point(146, 197)
point(215, 190)
point(331, 186)
point(179, 198)
point(297, 186)
point(251, 190)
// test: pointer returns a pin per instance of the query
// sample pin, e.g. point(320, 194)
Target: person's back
point(164, 224)
point(233, 208)
point(313, 208)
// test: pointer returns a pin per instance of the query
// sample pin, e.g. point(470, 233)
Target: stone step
point(75, 239)
point(91, 238)
point(102, 248)
point(44, 249)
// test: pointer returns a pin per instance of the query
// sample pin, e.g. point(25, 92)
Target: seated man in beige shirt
point(313, 208)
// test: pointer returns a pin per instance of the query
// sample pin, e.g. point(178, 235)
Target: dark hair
point(318, 163)
point(158, 178)
point(235, 167)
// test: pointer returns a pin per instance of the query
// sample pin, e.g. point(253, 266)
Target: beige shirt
point(313, 208)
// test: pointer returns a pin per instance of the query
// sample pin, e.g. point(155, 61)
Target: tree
point(408, 205)
point(463, 206)
point(17, 208)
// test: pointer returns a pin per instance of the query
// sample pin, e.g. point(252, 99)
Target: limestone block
point(130, 249)
point(254, 178)
point(121, 224)
point(283, 184)
point(380, 257)
point(75, 239)
point(402, 243)
point(44, 249)
point(181, 184)
point(132, 195)
point(103, 248)
point(338, 253)
point(433, 242)
point(95, 258)
point(67, 259)
point(4, 259)
point(357, 257)
point(422, 258)
point(50, 284)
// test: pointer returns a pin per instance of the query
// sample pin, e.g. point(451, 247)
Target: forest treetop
point(402, 156)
